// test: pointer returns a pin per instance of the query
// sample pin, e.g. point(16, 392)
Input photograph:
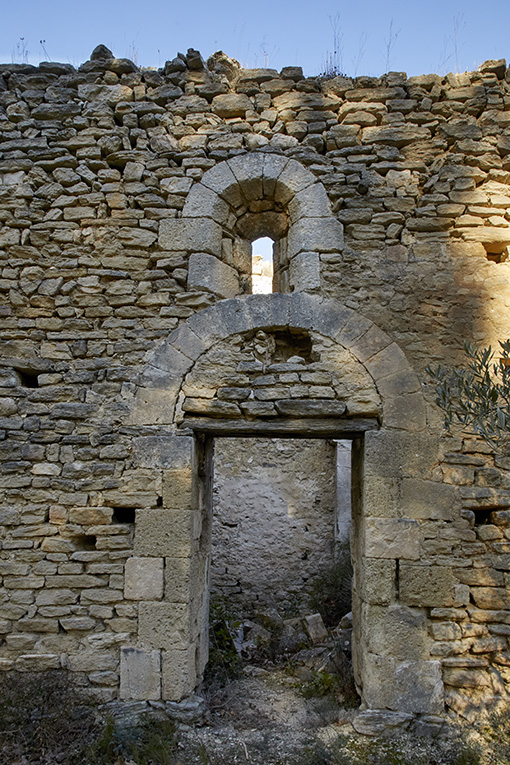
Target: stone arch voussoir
point(394, 378)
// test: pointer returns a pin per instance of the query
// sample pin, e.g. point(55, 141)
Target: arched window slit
point(262, 266)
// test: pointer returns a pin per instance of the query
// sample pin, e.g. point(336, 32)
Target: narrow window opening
point(482, 515)
point(123, 515)
point(262, 266)
point(497, 252)
point(85, 542)
point(29, 379)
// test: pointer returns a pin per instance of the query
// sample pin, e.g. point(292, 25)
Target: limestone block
point(166, 532)
point(352, 330)
point(392, 386)
point(233, 316)
point(395, 135)
point(378, 691)
point(306, 408)
point(273, 166)
point(407, 412)
point(164, 625)
point(230, 105)
point(396, 631)
point(375, 722)
point(143, 579)
point(248, 170)
point(140, 674)
point(429, 586)
point(419, 687)
point(393, 454)
point(175, 452)
point(304, 272)
point(222, 180)
point(311, 202)
point(90, 516)
point(8, 406)
point(269, 310)
point(179, 673)
point(209, 273)
point(168, 359)
point(178, 488)
point(293, 179)
point(192, 235)
point(377, 581)
point(187, 342)
point(203, 202)
point(37, 662)
point(182, 579)
point(392, 538)
point(491, 598)
point(427, 499)
point(381, 496)
point(315, 235)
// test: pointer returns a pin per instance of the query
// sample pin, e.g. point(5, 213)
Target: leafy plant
point(152, 742)
point(331, 591)
point(31, 719)
point(478, 395)
point(322, 684)
point(45, 719)
point(224, 663)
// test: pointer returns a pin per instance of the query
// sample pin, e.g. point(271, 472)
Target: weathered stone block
point(491, 598)
point(392, 538)
point(179, 673)
point(396, 631)
point(427, 499)
point(377, 581)
point(248, 170)
point(143, 579)
point(166, 532)
point(222, 180)
point(304, 272)
point(175, 452)
point(164, 625)
point(140, 674)
point(191, 235)
point(311, 202)
point(230, 105)
point(307, 408)
point(429, 586)
point(202, 202)
point(178, 488)
point(315, 235)
point(419, 687)
point(209, 273)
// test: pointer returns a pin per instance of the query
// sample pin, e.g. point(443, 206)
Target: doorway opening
point(279, 525)
point(262, 266)
point(280, 511)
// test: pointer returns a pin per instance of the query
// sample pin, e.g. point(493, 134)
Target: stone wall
point(274, 517)
point(128, 201)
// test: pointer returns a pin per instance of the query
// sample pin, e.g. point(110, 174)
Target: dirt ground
point(262, 718)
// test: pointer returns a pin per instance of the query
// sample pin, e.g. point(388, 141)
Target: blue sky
point(433, 36)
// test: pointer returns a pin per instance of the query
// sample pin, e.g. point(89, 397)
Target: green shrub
point(331, 591)
point(41, 714)
point(44, 719)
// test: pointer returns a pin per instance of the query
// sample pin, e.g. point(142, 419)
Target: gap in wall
point(281, 509)
point(262, 266)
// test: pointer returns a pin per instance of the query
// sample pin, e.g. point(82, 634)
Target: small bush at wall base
point(330, 593)
point(152, 742)
point(42, 715)
point(45, 720)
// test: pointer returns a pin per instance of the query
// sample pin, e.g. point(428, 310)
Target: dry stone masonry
point(131, 343)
